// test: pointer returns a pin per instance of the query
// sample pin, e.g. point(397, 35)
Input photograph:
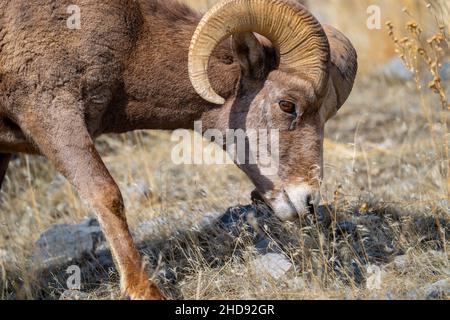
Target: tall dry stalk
point(424, 56)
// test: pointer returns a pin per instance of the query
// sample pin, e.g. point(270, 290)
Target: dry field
point(386, 169)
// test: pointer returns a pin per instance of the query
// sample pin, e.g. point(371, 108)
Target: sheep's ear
point(344, 64)
point(250, 54)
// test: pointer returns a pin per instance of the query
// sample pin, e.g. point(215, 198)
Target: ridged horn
point(296, 34)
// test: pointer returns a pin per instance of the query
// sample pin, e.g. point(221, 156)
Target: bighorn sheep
point(135, 65)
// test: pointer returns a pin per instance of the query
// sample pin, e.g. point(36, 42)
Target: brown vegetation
point(386, 168)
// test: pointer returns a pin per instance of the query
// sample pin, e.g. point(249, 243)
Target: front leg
point(63, 138)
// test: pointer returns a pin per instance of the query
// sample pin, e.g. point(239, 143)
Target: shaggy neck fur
point(156, 92)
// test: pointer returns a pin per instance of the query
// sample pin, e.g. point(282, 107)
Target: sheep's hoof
point(144, 293)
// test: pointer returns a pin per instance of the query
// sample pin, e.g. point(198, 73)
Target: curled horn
point(299, 38)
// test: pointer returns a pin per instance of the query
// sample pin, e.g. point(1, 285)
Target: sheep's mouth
point(259, 200)
point(257, 197)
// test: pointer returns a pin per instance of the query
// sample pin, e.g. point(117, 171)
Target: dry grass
point(387, 169)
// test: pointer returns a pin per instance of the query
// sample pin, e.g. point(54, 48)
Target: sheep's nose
point(292, 202)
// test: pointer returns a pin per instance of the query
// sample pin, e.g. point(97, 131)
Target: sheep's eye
point(288, 107)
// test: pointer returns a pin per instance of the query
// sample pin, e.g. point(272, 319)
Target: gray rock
point(400, 262)
point(444, 71)
point(438, 290)
point(66, 243)
point(140, 187)
point(263, 245)
point(274, 264)
point(6, 257)
point(236, 220)
point(395, 69)
point(445, 203)
point(346, 227)
point(74, 295)
point(159, 226)
point(208, 219)
point(390, 295)
point(298, 283)
point(151, 227)
point(412, 295)
point(144, 188)
point(324, 215)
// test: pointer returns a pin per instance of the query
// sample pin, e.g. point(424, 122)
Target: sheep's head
point(295, 75)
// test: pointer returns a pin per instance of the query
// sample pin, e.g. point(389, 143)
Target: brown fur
point(126, 69)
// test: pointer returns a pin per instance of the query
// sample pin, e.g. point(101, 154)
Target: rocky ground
point(357, 246)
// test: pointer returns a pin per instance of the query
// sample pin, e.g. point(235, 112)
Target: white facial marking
point(294, 202)
point(283, 209)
